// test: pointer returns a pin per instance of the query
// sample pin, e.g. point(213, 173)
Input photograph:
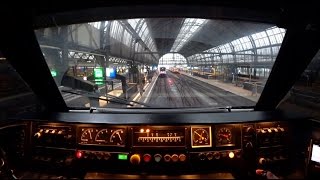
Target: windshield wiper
point(229, 108)
point(109, 98)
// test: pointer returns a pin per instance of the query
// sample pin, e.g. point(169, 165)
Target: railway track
point(178, 90)
point(222, 97)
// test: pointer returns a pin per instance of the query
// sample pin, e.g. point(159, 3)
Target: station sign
point(53, 73)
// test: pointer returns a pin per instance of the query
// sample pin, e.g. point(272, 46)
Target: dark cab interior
point(42, 138)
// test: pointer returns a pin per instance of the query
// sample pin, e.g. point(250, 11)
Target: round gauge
point(86, 135)
point(200, 136)
point(224, 136)
point(117, 137)
point(102, 136)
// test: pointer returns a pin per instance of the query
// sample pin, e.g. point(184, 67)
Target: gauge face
point(117, 137)
point(224, 136)
point(201, 137)
point(102, 136)
point(86, 136)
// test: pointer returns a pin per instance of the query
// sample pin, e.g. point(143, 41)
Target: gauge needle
point(198, 134)
point(223, 135)
point(90, 135)
point(119, 136)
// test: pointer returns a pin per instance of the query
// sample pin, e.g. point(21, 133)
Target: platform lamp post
point(250, 72)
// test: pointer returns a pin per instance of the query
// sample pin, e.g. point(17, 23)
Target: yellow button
point(135, 159)
point(231, 155)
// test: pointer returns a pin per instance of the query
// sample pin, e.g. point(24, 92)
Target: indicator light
point(147, 158)
point(148, 130)
point(167, 158)
point(175, 158)
point(122, 157)
point(79, 154)
point(157, 158)
point(141, 130)
point(182, 157)
point(231, 155)
point(209, 156)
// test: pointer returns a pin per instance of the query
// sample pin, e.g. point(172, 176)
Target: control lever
point(5, 171)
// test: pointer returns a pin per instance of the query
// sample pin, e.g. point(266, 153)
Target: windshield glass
point(304, 96)
point(161, 62)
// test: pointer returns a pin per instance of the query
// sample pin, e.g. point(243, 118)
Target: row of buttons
point(218, 155)
point(135, 158)
point(100, 155)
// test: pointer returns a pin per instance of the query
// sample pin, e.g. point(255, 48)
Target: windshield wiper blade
point(229, 108)
point(111, 98)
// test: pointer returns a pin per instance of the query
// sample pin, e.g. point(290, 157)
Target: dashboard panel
point(158, 148)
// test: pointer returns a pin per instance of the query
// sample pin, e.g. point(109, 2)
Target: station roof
point(157, 35)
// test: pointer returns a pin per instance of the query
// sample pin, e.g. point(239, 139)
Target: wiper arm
point(229, 108)
point(109, 98)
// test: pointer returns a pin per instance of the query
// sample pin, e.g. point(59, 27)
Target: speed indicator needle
point(198, 134)
point(119, 136)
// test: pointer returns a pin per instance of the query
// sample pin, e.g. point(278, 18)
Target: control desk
point(77, 147)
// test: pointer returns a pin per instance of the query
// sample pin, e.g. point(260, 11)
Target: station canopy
point(146, 40)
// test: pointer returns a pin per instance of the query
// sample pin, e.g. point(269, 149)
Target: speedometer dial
point(102, 136)
point(86, 136)
point(224, 136)
point(117, 137)
point(201, 137)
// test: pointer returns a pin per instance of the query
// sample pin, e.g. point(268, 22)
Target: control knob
point(202, 156)
point(217, 155)
point(262, 161)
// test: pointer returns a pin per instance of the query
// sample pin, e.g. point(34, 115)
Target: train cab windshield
point(161, 62)
point(160, 90)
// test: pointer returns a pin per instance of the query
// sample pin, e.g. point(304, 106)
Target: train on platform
point(163, 72)
point(175, 70)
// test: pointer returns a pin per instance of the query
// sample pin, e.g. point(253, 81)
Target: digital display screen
point(315, 155)
point(158, 136)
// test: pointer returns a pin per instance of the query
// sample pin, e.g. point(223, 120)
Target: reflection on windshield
point(161, 62)
point(304, 96)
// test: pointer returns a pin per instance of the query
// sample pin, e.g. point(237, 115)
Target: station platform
point(227, 87)
point(145, 97)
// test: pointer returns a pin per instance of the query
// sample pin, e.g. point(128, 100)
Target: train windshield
point(161, 62)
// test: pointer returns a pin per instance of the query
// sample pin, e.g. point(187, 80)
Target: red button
point(79, 154)
point(147, 158)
